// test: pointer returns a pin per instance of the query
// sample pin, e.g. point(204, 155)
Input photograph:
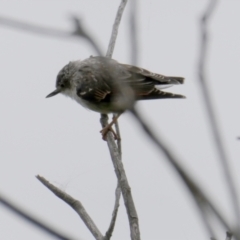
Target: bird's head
point(63, 83)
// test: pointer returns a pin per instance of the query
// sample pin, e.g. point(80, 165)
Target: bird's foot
point(106, 129)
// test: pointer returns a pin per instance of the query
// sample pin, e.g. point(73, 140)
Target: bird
point(101, 84)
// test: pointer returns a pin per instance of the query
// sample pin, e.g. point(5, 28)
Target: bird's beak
point(55, 92)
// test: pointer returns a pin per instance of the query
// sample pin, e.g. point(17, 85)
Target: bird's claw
point(105, 130)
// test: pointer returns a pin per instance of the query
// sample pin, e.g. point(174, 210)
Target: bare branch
point(133, 32)
point(134, 57)
point(115, 28)
point(206, 221)
point(114, 151)
point(79, 31)
point(228, 236)
point(125, 188)
point(210, 109)
point(76, 205)
point(119, 140)
point(32, 220)
point(114, 214)
point(23, 26)
point(199, 196)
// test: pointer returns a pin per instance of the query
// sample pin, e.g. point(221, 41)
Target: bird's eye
point(62, 85)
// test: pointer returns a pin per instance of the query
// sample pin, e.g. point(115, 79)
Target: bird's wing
point(146, 84)
point(143, 76)
point(92, 87)
point(93, 91)
point(101, 79)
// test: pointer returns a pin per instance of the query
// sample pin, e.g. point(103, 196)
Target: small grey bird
point(99, 84)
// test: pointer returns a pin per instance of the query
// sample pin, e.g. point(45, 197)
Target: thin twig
point(210, 109)
point(114, 214)
point(198, 195)
point(119, 140)
point(24, 26)
point(228, 236)
point(205, 219)
point(109, 54)
point(79, 31)
point(133, 32)
point(134, 57)
point(115, 29)
point(25, 216)
point(76, 205)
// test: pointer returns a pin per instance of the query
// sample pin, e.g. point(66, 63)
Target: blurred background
point(60, 140)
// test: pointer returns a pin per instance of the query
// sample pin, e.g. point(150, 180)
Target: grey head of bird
point(64, 84)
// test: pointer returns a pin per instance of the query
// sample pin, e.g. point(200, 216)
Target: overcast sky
point(60, 140)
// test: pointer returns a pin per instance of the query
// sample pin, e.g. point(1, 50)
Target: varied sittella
point(101, 83)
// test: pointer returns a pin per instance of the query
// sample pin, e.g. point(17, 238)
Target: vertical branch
point(114, 151)
point(210, 109)
point(110, 53)
point(125, 188)
point(115, 29)
point(133, 31)
point(119, 140)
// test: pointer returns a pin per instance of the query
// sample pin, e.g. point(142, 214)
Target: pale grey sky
point(60, 140)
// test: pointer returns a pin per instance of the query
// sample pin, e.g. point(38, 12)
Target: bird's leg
point(105, 130)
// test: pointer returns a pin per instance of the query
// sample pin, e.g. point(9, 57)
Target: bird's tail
point(175, 80)
point(158, 94)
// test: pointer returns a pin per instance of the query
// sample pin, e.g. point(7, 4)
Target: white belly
point(97, 107)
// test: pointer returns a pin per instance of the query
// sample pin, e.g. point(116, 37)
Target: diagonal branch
point(204, 212)
point(210, 109)
point(198, 195)
point(76, 205)
point(31, 219)
point(79, 31)
point(228, 236)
